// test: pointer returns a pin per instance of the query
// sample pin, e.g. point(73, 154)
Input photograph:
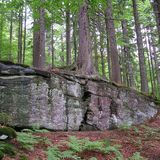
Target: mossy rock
point(6, 148)
point(9, 132)
point(1, 155)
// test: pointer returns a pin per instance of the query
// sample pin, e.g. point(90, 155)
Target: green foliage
point(6, 148)
point(23, 157)
point(4, 119)
point(55, 154)
point(125, 126)
point(136, 156)
point(77, 146)
point(27, 140)
point(93, 158)
point(1, 154)
point(10, 132)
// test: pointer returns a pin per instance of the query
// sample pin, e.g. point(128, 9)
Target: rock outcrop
point(61, 101)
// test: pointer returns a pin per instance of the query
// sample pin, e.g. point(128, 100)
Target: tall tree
point(115, 67)
point(20, 30)
point(84, 60)
point(39, 38)
point(143, 71)
point(11, 36)
point(156, 8)
point(68, 35)
point(127, 55)
point(24, 37)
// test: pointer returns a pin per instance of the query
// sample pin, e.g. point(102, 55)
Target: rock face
point(67, 102)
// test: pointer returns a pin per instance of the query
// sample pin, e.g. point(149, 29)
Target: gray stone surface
point(67, 102)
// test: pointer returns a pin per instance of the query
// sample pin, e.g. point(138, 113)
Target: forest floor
point(143, 139)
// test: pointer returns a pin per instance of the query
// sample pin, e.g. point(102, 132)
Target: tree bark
point(115, 67)
point(143, 71)
point(52, 46)
point(127, 56)
point(75, 38)
point(39, 40)
point(11, 36)
point(84, 60)
point(24, 37)
point(156, 9)
point(20, 55)
point(95, 47)
point(68, 37)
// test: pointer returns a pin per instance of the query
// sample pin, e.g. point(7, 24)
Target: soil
point(144, 139)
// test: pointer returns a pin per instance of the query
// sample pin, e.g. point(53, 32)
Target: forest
point(117, 40)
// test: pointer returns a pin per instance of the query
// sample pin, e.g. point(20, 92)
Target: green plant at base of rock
point(4, 119)
point(1, 155)
point(55, 154)
point(6, 148)
point(35, 130)
point(125, 126)
point(27, 140)
point(136, 156)
point(23, 157)
point(77, 146)
point(93, 158)
point(9, 132)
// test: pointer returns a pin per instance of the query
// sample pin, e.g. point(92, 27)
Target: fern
point(80, 145)
point(27, 140)
point(115, 150)
point(136, 156)
point(55, 154)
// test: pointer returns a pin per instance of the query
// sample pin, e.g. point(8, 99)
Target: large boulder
point(61, 101)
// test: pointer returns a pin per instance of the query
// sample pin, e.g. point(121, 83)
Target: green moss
point(10, 132)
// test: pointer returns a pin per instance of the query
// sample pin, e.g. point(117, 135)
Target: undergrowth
point(77, 146)
point(28, 140)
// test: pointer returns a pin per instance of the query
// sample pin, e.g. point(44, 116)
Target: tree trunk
point(68, 37)
point(156, 9)
point(84, 60)
point(156, 65)
point(108, 50)
point(127, 56)
point(52, 46)
point(115, 67)
point(20, 55)
point(24, 37)
point(75, 38)
point(95, 47)
point(11, 36)
point(39, 40)
point(143, 72)
point(62, 49)
point(102, 54)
